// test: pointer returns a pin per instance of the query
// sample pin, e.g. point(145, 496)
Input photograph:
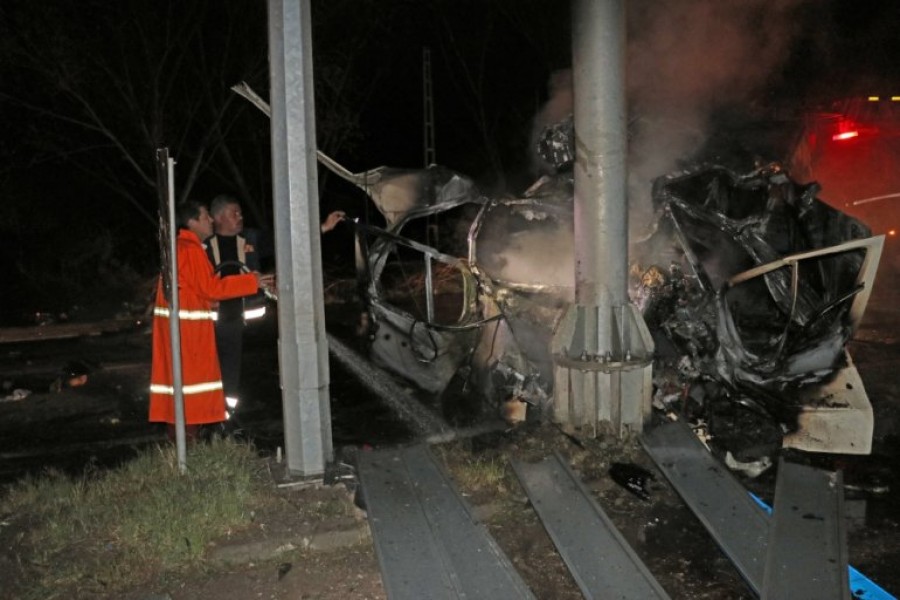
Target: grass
point(477, 474)
point(108, 531)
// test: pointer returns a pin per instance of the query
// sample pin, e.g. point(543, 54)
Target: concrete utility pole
point(602, 348)
point(303, 349)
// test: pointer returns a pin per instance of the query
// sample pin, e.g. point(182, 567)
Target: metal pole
point(602, 349)
point(303, 352)
point(174, 321)
point(601, 212)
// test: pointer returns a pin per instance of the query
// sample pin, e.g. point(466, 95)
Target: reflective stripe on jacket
point(253, 306)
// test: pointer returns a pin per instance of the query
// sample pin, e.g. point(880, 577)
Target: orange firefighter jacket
point(204, 400)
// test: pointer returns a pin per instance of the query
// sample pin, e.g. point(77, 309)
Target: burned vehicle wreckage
point(749, 285)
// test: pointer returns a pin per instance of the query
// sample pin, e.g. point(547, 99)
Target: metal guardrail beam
point(427, 542)
point(807, 551)
point(734, 520)
point(599, 558)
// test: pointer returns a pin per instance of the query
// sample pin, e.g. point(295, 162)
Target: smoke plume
point(685, 60)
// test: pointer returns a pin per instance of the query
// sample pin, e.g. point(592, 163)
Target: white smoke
point(686, 59)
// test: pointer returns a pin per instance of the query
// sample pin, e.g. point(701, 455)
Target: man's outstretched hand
point(332, 220)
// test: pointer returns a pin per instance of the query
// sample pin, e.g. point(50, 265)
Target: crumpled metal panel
point(556, 144)
point(414, 349)
point(515, 282)
point(811, 345)
point(414, 346)
point(752, 284)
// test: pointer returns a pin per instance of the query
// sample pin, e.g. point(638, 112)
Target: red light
point(846, 135)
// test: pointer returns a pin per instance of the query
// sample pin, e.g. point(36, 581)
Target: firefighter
point(199, 287)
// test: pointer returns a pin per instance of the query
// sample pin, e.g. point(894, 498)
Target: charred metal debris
point(750, 286)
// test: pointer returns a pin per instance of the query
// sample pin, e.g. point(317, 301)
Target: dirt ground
point(286, 553)
point(352, 571)
point(295, 551)
point(663, 531)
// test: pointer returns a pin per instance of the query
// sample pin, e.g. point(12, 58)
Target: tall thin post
point(169, 228)
point(175, 326)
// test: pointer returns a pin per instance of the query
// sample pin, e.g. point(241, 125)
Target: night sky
point(88, 90)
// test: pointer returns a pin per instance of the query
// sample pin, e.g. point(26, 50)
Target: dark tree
point(90, 89)
point(106, 83)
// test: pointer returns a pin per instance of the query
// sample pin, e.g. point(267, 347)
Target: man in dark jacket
point(233, 251)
